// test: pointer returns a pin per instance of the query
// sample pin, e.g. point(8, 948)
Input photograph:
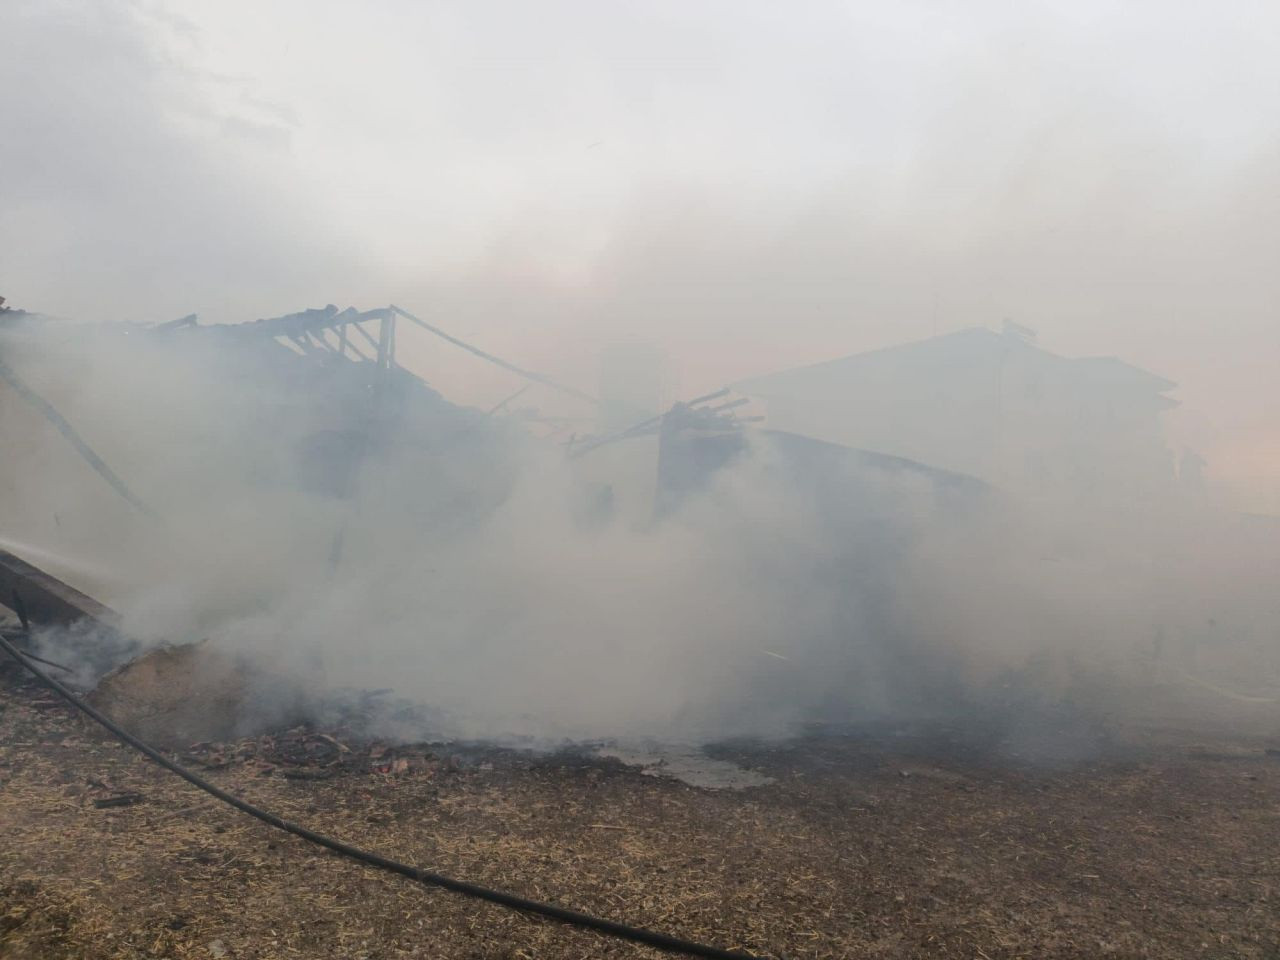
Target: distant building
point(991, 405)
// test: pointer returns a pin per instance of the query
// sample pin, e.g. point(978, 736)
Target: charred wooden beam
point(44, 599)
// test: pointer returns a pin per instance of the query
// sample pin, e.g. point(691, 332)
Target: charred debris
point(342, 400)
point(347, 399)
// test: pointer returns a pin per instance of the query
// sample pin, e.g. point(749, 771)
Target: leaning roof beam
point(497, 361)
point(47, 410)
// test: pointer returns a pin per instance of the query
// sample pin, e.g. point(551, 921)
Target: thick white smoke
point(459, 568)
point(748, 188)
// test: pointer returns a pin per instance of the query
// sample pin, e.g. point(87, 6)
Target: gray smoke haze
point(784, 592)
point(746, 187)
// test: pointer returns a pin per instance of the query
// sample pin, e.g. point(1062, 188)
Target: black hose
point(571, 917)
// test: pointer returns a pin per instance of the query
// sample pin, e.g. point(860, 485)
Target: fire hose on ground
point(550, 911)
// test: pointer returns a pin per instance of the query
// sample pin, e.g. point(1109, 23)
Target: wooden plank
point(44, 598)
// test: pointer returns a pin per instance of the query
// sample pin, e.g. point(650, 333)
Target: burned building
point(992, 405)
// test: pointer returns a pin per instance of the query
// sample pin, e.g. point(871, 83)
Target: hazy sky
point(747, 184)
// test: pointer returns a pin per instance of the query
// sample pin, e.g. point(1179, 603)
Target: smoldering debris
point(329, 521)
point(177, 695)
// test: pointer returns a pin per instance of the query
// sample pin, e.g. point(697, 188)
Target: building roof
point(970, 345)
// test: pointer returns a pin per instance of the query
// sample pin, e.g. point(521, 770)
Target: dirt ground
point(892, 845)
